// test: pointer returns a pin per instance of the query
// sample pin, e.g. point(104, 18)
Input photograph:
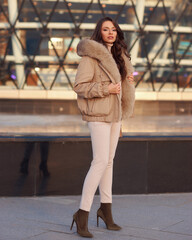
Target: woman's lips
point(110, 37)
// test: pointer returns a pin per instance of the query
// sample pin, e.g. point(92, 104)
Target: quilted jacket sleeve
point(84, 85)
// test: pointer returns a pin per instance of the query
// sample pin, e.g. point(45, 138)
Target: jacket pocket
point(82, 105)
point(98, 107)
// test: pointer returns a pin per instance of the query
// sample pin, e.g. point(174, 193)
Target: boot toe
point(114, 227)
point(86, 234)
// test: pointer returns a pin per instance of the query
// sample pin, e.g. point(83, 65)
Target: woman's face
point(108, 32)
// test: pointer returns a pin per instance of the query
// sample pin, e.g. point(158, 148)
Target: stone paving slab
point(143, 217)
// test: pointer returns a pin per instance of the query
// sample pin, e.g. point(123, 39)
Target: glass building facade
point(38, 40)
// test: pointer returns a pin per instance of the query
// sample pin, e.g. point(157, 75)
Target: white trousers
point(104, 138)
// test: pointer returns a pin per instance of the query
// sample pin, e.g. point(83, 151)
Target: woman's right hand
point(114, 88)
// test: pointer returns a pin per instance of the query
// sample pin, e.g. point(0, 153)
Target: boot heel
point(97, 220)
point(72, 224)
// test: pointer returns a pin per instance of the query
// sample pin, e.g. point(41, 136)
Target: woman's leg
point(100, 138)
point(105, 186)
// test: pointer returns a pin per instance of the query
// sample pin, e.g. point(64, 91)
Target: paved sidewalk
point(143, 217)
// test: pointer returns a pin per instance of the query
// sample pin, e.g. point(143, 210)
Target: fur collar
point(93, 49)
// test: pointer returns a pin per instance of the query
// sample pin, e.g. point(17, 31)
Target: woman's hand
point(114, 88)
point(131, 78)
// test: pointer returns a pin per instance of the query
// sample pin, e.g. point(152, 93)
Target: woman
point(105, 89)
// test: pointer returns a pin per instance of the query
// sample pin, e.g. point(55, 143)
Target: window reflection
point(29, 149)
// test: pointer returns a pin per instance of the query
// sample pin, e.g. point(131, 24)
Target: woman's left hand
point(131, 78)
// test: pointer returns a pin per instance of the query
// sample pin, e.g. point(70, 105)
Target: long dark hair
point(119, 46)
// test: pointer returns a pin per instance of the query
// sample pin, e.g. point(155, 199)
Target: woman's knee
point(100, 164)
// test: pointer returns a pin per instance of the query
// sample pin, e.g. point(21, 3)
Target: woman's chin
point(110, 42)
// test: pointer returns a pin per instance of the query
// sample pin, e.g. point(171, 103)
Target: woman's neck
point(109, 46)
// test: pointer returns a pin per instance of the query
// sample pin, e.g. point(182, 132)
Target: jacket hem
point(98, 119)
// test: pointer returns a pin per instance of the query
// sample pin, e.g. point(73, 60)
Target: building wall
point(39, 39)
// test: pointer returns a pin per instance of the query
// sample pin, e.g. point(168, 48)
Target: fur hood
point(93, 49)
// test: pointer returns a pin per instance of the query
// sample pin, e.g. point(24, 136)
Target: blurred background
point(45, 146)
point(38, 59)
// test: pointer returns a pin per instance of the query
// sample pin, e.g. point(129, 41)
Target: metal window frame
point(140, 29)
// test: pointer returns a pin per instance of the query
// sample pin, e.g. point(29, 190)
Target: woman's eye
point(105, 29)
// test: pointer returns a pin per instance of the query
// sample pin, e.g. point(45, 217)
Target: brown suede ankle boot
point(104, 212)
point(81, 220)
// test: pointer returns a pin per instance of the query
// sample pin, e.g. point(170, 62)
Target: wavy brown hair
point(119, 46)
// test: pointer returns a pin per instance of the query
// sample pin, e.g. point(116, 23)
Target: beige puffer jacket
point(96, 70)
